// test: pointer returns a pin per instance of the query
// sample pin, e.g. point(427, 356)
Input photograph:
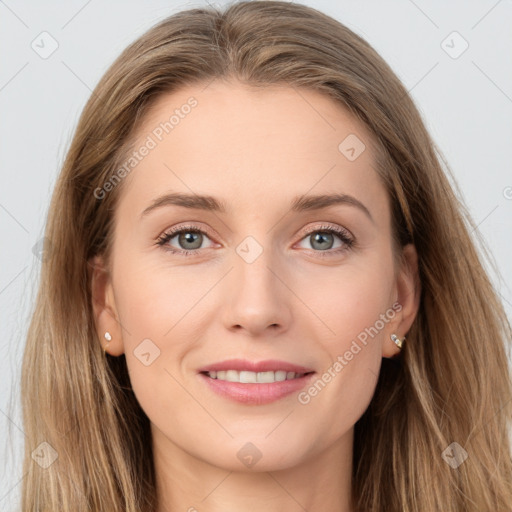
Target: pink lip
point(241, 365)
point(259, 393)
point(256, 394)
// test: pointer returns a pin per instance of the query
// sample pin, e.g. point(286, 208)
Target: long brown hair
point(451, 383)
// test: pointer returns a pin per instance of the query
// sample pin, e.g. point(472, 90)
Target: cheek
point(355, 305)
point(163, 311)
point(352, 298)
point(149, 302)
point(153, 297)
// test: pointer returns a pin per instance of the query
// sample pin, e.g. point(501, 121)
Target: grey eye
point(189, 240)
point(322, 240)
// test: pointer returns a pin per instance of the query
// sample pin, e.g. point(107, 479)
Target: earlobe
point(103, 304)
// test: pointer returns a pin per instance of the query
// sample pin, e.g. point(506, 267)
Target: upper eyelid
point(189, 227)
point(325, 226)
point(171, 232)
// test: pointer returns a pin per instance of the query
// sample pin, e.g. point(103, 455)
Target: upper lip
point(252, 366)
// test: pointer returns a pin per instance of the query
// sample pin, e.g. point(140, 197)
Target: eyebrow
point(299, 204)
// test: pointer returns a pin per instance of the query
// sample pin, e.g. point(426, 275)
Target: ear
point(104, 309)
point(408, 292)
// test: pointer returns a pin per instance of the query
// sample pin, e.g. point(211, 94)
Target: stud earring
point(398, 342)
point(108, 337)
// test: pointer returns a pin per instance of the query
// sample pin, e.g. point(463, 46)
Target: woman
point(329, 340)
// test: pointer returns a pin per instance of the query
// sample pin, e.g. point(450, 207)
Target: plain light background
point(464, 95)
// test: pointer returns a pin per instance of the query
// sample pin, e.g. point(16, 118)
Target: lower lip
point(256, 394)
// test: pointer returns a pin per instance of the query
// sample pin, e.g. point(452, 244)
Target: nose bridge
point(256, 297)
point(253, 261)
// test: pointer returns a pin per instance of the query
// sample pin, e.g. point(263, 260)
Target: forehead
point(251, 147)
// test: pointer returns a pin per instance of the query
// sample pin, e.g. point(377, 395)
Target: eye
point(324, 239)
point(189, 239)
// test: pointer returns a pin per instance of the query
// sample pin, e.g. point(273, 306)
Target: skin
point(255, 150)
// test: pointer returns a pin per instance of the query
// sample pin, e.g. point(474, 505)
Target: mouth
point(255, 383)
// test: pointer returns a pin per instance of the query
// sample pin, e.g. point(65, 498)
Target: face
point(259, 271)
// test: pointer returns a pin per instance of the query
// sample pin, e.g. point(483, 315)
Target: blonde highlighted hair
point(452, 382)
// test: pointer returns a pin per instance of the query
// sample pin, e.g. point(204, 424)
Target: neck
point(186, 483)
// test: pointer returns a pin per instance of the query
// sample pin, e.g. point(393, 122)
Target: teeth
point(232, 376)
point(246, 377)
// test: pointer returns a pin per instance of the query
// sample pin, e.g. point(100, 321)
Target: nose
point(257, 297)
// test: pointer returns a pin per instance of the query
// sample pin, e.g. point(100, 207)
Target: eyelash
point(343, 234)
